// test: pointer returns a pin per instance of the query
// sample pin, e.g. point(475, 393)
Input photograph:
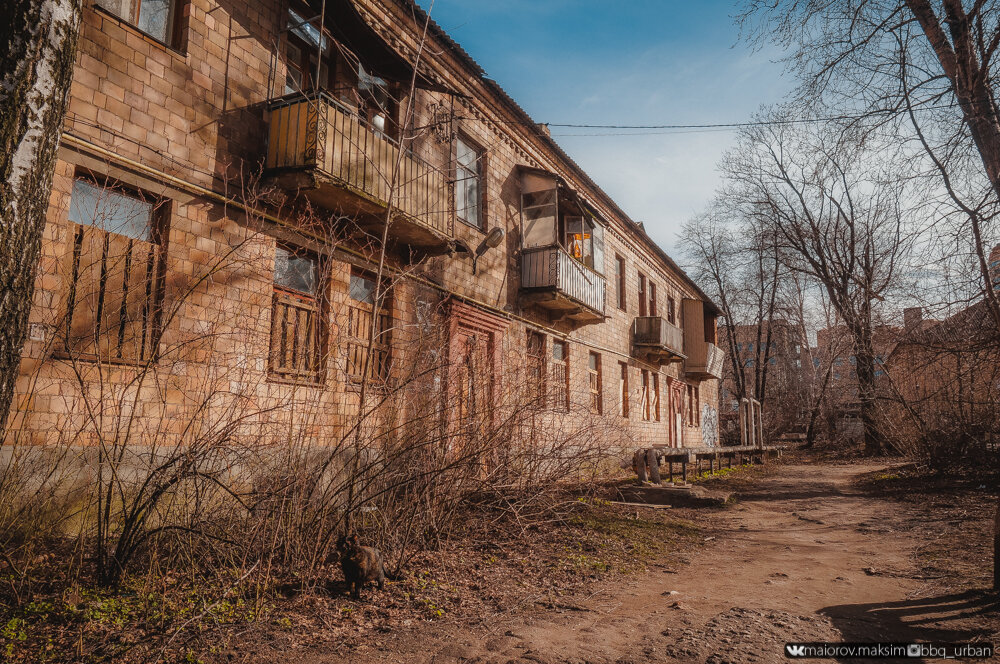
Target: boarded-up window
point(656, 397)
point(623, 389)
point(596, 387)
point(642, 294)
point(367, 308)
point(296, 344)
point(536, 367)
point(646, 403)
point(559, 373)
point(620, 280)
point(115, 274)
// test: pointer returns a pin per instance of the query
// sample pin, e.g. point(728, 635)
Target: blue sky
point(631, 62)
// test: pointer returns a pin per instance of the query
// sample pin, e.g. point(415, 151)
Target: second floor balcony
point(319, 146)
point(552, 279)
point(704, 361)
point(657, 339)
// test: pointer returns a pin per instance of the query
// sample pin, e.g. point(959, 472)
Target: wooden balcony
point(318, 146)
point(657, 340)
point(704, 361)
point(551, 279)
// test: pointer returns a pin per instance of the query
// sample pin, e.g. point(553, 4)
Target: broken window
point(112, 307)
point(366, 309)
point(552, 216)
point(559, 372)
point(596, 388)
point(154, 17)
point(295, 352)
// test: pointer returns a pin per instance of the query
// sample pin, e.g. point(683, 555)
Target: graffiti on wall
point(709, 425)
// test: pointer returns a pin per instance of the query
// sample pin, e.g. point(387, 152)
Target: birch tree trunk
point(38, 39)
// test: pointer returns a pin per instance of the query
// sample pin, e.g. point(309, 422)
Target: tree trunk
point(39, 39)
point(996, 548)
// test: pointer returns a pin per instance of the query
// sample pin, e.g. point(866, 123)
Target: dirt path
point(802, 557)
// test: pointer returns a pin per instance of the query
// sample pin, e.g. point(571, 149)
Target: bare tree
point(37, 59)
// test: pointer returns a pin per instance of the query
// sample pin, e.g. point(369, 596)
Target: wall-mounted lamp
point(492, 239)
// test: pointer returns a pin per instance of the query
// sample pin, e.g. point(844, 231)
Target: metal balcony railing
point(553, 268)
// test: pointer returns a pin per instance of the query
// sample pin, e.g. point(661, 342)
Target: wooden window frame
point(559, 375)
point(596, 386)
point(656, 396)
point(480, 177)
point(536, 366)
point(620, 276)
point(645, 404)
point(623, 395)
point(313, 308)
point(642, 294)
point(176, 37)
point(652, 298)
point(671, 310)
point(356, 330)
point(153, 282)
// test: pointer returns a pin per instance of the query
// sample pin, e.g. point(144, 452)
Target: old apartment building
point(228, 176)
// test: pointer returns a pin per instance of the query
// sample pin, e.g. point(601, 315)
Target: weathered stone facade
point(187, 123)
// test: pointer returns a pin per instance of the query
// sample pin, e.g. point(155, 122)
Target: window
point(694, 408)
point(536, 366)
point(620, 279)
point(642, 294)
point(656, 396)
point(596, 386)
point(671, 311)
point(646, 405)
point(468, 183)
point(585, 241)
point(366, 308)
point(559, 372)
point(295, 353)
point(623, 389)
point(112, 307)
point(652, 299)
point(156, 18)
point(303, 44)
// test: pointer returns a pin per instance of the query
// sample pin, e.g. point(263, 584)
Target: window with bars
point(116, 273)
point(365, 309)
point(559, 376)
point(623, 389)
point(296, 316)
point(536, 366)
point(596, 384)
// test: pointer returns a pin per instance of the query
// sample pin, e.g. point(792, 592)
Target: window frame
point(560, 382)
point(382, 356)
point(176, 23)
point(642, 295)
point(645, 409)
point(620, 276)
point(315, 303)
point(154, 281)
point(596, 380)
point(623, 395)
point(479, 177)
point(535, 355)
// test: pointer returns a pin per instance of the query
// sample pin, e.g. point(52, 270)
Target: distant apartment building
point(945, 374)
point(228, 175)
point(772, 355)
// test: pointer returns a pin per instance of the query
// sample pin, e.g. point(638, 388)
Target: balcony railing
point(658, 337)
point(563, 282)
point(705, 362)
point(317, 133)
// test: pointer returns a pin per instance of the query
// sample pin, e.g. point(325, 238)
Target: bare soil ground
point(811, 552)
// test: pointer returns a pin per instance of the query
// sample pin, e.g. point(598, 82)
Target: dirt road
point(803, 556)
